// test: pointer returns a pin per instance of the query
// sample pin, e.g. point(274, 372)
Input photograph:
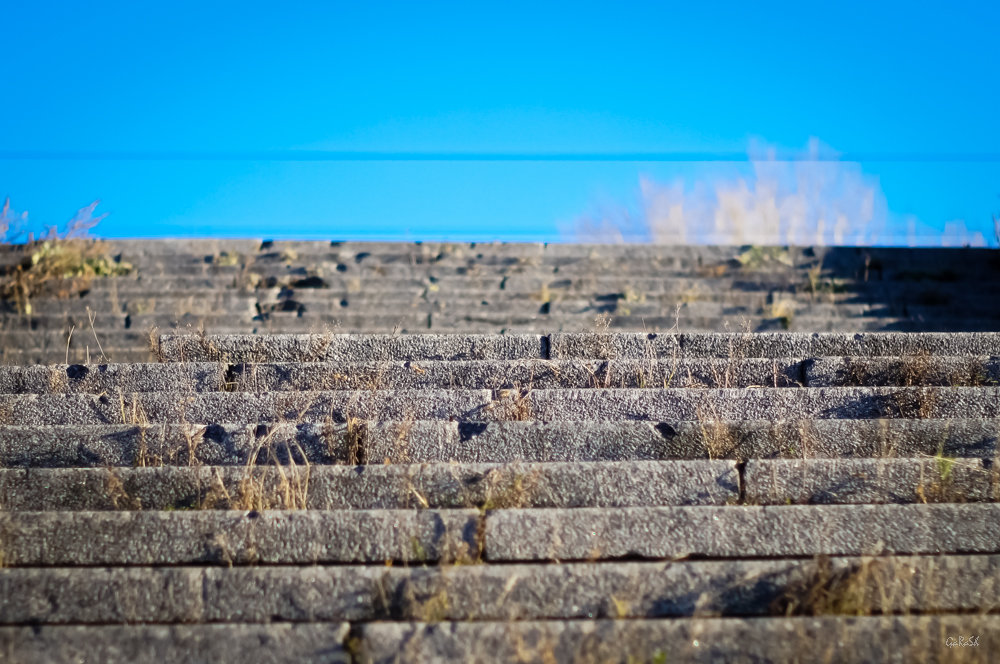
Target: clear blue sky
point(245, 79)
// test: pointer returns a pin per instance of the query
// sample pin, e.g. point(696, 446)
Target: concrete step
point(736, 344)
point(725, 532)
point(288, 537)
point(814, 481)
point(832, 256)
point(518, 485)
point(570, 591)
point(778, 639)
point(13, 356)
point(896, 638)
point(297, 537)
point(275, 643)
point(215, 313)
point(922, 370)
point(171, 300)
point(53, 343)
point(433, 441)
point(916, 369)
point(598, 281)
point(484, 323)
point(433, 374)
point(345, 347)
point(403, 486)
point(111, 378)
point(707, 405)
point(357, 348)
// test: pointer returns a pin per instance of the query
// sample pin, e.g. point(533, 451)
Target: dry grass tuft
point(509, 488)
point(58, 264)
point(860, 589)
point(512, 405)
point(915, 369)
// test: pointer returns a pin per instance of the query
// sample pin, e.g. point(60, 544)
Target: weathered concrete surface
point(779, 640)
point(341, 347)
point(194, 377)
point(919, 369)
point(793, 530)
point(209, 444)
point(537, 374)
point(428, 441)
point(411, 486)
point(731, 404)
point(13, 356)
point(941, 479)
point(696, 404)
point(126, 644)
point(236, 537)
point(141, 408)
point(492, 592)
point(737, 439)
point(736, 345)
point(411, 310)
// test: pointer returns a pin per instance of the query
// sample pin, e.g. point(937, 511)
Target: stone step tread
point(489, 592)
point(683, 281)
point(402, 486)
point(707, 405)
point(720, 532)
point(339, 347)
point(928, 370)
point(50, 346)
point(490, 274)
point(53, 343)
point(222, 643)
point(203, 246)
point(517, 485)
point(770, 344)
point(834, 639)
point(665, 291)
point(433, 441)
point(23, 357)
point(828, 481)
point(296, 537)
point(292, 316)
point(333, 309)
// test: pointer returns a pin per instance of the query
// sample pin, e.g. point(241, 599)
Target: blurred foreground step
point(832, 639)
point(77, 355)
point(275, 643)
point(424, 441)
point(725, 532)
point(354, 312)
point(238, 537)
point(397, 486)
point(617, 589)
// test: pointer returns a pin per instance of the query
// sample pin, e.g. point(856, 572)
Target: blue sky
point(96, 81)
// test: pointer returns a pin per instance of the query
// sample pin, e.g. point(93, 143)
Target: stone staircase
point(621, 495)
point(250, 286)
